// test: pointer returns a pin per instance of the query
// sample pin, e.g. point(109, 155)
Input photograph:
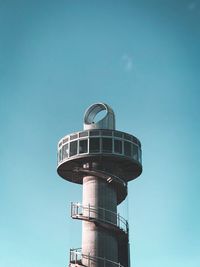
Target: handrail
point(76, 257)
point(108, 216)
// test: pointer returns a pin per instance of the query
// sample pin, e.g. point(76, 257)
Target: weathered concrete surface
point(97, 241)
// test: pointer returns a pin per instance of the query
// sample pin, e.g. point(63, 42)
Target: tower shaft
point(98, 241)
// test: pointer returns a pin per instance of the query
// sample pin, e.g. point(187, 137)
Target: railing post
point(71, 208)
point(76, 257)
point(118, 220)
point(127, 227)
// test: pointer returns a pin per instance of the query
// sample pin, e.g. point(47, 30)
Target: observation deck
point(120, 149)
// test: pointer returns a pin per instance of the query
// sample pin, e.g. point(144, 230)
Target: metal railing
point(99, 214)
point(76, 257)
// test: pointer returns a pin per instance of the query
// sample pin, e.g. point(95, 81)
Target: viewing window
point(65, 140)
point(73, 148)
point(94, 145)
point(107, 145)
point(83, 146)
point(134, 139)
point(94, 133)
point(127, 149)
point(60, 155)
point(118, 146)
point(73, 136)
point(127, 136)
point(106, 133)
point(65, 151)
point(135, 152)
point(83, 134)
point(118, 134)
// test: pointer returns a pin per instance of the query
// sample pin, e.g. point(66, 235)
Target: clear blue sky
point(142, 58)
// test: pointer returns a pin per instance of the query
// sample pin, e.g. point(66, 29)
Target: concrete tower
point(104, 161)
